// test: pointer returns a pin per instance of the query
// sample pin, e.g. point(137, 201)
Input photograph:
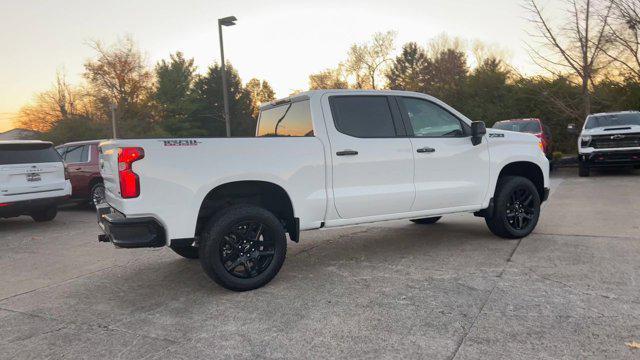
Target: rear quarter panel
point(175, 180)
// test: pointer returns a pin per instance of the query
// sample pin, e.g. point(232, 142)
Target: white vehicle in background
point(609, 140)
point(33, 180)
point(320, 159)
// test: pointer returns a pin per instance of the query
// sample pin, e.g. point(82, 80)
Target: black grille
point(616, 141)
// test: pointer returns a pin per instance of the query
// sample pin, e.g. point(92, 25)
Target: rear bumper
point(611, 158)
point(27, 207)
point(127, 232)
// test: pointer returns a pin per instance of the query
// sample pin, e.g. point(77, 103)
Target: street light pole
point(113, 120)
point(228, 21)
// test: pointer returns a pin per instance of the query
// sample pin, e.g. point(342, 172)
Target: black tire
point(96, 195)
point(516, 208)
point(234, 229)
point(427, 221)
point(47, 214)
point(583, 170)
point(189, 252)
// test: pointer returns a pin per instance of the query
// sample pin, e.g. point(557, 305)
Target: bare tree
point(49, 107)
point(119, 74)
point(625, 32)
point(334, 78)
point(577, 47)
point(367, 62)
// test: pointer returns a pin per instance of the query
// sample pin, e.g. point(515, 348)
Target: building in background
point(19, 134)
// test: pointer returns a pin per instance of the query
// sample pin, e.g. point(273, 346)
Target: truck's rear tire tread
point(217, 228)
point(497, 221)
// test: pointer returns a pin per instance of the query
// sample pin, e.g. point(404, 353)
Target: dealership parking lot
point(451, 290)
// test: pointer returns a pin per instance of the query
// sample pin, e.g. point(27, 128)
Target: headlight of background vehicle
point(585, 140)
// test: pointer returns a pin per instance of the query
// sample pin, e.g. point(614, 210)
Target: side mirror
point(572, 129)
point(478, 130)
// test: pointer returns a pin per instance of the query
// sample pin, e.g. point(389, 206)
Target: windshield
point(596, 121)
point(11, 154)
point(525, 126)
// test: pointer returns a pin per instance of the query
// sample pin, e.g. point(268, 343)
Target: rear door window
point(363, 116)
point(290, 119)
point(12, 154)
point(76, 154)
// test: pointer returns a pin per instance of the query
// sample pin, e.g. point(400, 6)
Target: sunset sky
point(280, 41)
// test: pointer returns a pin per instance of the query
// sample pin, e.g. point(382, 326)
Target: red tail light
point(129, 181)
point(4, 204)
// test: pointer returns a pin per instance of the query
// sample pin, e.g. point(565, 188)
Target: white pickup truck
point(320, 159)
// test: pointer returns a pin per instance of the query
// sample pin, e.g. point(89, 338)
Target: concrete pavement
point(391, 290)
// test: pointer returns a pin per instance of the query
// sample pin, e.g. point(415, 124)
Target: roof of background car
point(527, 119)
point(81, 143)
point(616, 113)
point(316, 93)
point(5, 142)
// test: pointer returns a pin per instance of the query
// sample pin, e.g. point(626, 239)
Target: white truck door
point(450, 172)
point(372, 159)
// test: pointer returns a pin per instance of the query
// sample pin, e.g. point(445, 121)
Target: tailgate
point(108, 163)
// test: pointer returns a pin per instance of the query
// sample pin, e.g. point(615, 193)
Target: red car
point(531, 126)
point(81, 160)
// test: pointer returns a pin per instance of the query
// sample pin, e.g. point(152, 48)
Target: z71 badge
point(496, 135)
point(180, 142)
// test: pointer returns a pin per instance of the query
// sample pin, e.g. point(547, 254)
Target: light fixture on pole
point(227, 21)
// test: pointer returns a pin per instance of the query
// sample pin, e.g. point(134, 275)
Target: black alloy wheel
point(516, 208)
point(246, 251)
point(243, 247)
point(520, 208)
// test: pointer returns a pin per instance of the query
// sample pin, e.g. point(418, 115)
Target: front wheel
point(47, 214)
point(516, 208)
point(243, 247)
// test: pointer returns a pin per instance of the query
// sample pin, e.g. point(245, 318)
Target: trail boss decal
point(180, 142)
point(496, 135)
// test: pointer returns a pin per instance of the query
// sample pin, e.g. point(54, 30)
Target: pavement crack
point(102, 327)
point(484, 303)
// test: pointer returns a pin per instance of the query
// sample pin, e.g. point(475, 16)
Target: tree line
point(589, 57)
point(170, 100)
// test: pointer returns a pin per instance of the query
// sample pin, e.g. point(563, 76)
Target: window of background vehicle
point(76, 154)
point(363, 116)
point(11, 154)
point(595, 121)
point(430, 120)
point(524, 126)
point(292, 119)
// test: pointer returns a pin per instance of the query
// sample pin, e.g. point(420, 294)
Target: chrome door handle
point(426, 149)
point(347, 153)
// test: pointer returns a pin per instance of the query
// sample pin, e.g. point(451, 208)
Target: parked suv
point(531, 126)
point(609, 139)
point(320, 159)
point(33, 180)
point(82, 163)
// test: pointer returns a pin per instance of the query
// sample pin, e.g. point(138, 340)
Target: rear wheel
point(97, 194)
point(517, 208)
point(427, 221)
point(243, 247)
point(583, 170)
point(47, 214)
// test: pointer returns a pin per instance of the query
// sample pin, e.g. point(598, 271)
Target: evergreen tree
point(408, 69)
